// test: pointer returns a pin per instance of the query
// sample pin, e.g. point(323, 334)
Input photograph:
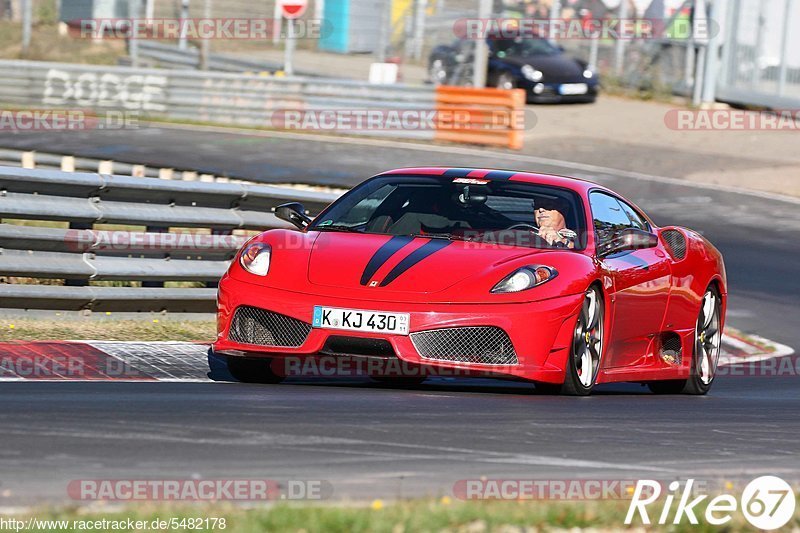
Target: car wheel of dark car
point(505, 80)
point(437, 72)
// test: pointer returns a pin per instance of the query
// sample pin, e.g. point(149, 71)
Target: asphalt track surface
point(373, 441)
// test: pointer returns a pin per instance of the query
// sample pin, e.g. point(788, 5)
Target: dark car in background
point(541, 68)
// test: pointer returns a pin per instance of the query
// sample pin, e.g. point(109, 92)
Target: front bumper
point(550, 92)
point(540, 332)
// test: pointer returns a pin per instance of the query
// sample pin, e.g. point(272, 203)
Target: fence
point(760, 62)
point(172, 57)
point(63, 246)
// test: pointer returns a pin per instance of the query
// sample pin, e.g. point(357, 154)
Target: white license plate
point(573, 88)
point(359, 320)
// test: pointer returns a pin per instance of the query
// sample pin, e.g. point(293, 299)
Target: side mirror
point(293, 213)
point(627, 240)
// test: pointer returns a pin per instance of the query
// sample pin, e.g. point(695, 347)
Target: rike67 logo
point(767, 502)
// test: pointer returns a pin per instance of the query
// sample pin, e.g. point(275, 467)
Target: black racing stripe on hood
point(389, 248)
point(421, 253)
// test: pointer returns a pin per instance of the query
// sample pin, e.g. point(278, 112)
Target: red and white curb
point(188, 362)
point(739, 348)
point(104, 361)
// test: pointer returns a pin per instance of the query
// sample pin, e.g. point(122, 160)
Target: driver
point(550, 217)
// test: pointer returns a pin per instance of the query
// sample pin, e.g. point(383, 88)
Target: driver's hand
point(550, 235)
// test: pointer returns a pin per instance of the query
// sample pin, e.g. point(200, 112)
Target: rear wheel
point(583, 363)
point(707, 343)
point(253, 370)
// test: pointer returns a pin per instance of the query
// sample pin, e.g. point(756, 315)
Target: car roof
point(566, 182)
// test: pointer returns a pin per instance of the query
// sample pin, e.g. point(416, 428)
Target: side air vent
point(670, 351)
point(676, 242)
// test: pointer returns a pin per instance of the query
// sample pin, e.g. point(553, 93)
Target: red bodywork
point(646, 293)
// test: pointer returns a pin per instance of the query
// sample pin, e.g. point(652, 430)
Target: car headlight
point(525, 278)
point(531, 73)
point(255, 258)
point(588, 73)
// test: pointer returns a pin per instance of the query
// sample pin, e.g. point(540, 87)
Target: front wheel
point(437, 72)
point(583, 363)
point(253, 370)
point(707, 343)
point(505, 81)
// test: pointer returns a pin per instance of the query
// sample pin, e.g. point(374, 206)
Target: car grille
point(676, 242)
point(252, 325)
point(484, 345)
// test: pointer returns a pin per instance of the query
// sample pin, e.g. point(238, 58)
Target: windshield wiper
point(447, 236)
point(337, 227)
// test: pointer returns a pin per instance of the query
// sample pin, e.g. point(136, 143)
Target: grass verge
point(145, 330)
point(442, 515)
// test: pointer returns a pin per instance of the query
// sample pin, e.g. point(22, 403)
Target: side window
point(636, 219)
point(608, 216)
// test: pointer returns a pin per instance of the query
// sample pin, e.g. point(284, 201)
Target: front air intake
point(252, 325)
point(483, 345)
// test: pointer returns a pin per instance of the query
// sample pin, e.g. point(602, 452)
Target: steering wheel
point(523, 225)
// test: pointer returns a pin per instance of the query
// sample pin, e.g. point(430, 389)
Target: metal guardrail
point(295, 103)
point(172, 57)
point(212, 97)
point(81, 255)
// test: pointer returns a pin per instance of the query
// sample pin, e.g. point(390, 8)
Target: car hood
point(555, 68)
point(400, 264)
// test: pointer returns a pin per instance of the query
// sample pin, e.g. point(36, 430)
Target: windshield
point(525, 47)
point(489, 211)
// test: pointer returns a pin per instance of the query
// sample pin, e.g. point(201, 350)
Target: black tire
point(706, 346)
point(253, 370)
point(587, 341)
point(437, 71)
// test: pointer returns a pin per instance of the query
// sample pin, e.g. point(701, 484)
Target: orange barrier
point(480, 116)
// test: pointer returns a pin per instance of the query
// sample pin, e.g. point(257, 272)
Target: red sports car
point(459, 271)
